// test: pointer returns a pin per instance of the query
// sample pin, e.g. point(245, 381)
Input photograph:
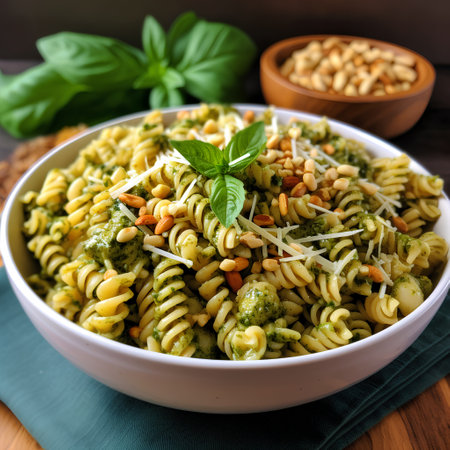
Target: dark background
point(422, 25)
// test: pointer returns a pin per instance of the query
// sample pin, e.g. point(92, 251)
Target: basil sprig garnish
point(228, 193)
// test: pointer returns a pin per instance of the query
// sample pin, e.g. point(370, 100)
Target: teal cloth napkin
point(65, 409)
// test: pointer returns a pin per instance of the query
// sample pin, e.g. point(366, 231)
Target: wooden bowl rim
point(270, 63)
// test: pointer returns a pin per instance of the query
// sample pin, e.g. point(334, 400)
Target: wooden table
point(422, 423)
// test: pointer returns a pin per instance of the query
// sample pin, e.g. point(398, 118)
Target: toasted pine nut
point(241, 263)
point(310, 165)
point(331, 174)
point(227, 265)
point(270, 264)
point(290, 181)
point(210, 127)
point(375, 274)
point(299, 190)
point(294, 133)
point(182, 115)
point(347, 170)
point(126, 234)
point(283, 202)
point(400, 224)
point(341, 184)
point(250, 240)
point(155, 240)
point(340, 212)
point(109, 274)
point(146, 219)
point(310, 180)
point(273, 141)
point(256, 267)
point(296, 247)
point(161, 191)
point(234, 280)
point(132, 200)
point(142, 211)
point(328, 149)
point(164, 224)
point(285, 144)
point(340, 80)
point(134, 332)
point(316, 200)
point(263, 220)
point(249, 116)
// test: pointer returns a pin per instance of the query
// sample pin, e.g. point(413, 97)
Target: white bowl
point(213, 386)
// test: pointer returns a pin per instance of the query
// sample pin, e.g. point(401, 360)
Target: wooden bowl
point(387, 116)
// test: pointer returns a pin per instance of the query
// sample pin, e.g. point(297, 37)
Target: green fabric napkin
point(64, 408)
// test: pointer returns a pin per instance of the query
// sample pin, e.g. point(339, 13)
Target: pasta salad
point(281, 240)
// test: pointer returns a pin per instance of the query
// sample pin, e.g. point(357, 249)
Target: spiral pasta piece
point(51, 255)
point(174, 333)
point(381, 309)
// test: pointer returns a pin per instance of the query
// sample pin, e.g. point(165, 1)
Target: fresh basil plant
point(228, 193)
point(93, 78)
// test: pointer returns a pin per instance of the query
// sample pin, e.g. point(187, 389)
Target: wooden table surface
point(422, 423)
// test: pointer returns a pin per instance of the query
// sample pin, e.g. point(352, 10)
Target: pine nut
point(290, 181)
point(146, 219)
point(234, 280)
point(249, 115)
point(263, 220)
point(210, 127)
point(155, 240)
point(328, 149)
point(347, 170)
point(134, 332)
point(256, 267)
point(109, 274)
point(310, 180)
point(250, 240)
point(340, 80)
point(310, 165)
point(227, 265)
point(341, 184)
point(164, 224)
point(299, 190)
point(132, 200)
point(331, 174)
point(161, 191)
point(400, 224)
point(316, 200)
point(126, 234)
point(271, 265)
point(273, 141)
point(283, 202)
point(241, 263)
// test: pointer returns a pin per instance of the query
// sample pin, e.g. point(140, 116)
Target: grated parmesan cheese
point(161, 252)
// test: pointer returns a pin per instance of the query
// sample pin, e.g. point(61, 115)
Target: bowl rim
point(127, 351)
point(268, 63)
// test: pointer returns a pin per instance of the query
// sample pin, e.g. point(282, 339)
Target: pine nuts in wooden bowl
point(378, 86)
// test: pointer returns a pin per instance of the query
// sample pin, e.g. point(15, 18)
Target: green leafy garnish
point(102, 77)
point(228, 193)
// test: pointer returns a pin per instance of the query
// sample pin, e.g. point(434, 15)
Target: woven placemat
point(25, 155)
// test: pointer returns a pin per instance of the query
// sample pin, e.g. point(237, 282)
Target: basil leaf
point(216, 58)
point(96, 107)
point(251, 140)
point(202, 156)
point(98, 62)
point(152, 77)
point(154, 40)
point(178, 36)
point(29, 101)
point(161, 97)
point(227, 198)
point(172, 79)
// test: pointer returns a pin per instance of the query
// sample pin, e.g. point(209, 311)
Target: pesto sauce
point(258, 307)
point(103, 244)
